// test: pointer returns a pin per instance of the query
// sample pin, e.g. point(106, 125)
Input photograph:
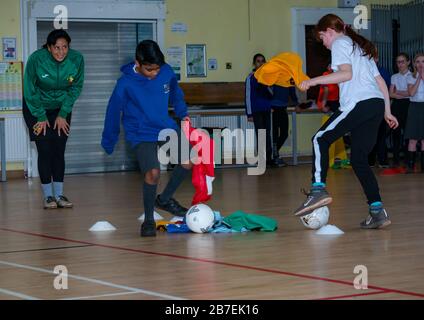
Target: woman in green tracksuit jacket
point(53, 81)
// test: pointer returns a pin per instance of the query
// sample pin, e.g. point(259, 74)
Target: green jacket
point(239, 220)
point(49, 84)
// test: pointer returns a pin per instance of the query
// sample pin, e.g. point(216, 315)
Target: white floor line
point(102, 295)
point(100, 282)
point(17, 294)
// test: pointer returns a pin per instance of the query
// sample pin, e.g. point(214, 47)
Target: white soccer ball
point(316, 219)
point(200, 218)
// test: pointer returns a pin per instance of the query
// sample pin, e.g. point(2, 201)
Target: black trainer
point(377, 219)
point(316, 198)
point(50, 203)
point(148, 229)
point(172, 206)
point(383, 165)
point(281, 162)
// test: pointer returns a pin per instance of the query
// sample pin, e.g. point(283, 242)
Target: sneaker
point(316, 198)
point(63, 202)
point(377, 219)
point(383, 165)
point(172, 206)
point(276, 163)
point(281, 163)
point(148, 229)
point(50, 203)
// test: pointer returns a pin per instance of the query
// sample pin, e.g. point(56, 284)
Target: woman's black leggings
point(50, 147)
point(51, 159)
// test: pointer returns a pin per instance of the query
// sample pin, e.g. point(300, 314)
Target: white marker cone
point(102, 226)
point(156, 215)
point(176, 219)
point(329, 230)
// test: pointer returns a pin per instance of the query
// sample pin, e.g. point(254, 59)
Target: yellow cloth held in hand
point(284, 70)
point(337, 149)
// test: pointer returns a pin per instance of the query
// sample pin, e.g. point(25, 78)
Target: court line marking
point(100, 282)
point(240, 266)
point(354, 295)
point(46, 249)
point(17, 294)
point(101, 295)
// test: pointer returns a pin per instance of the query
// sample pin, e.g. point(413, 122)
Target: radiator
point(16, 137)
point(232, 123)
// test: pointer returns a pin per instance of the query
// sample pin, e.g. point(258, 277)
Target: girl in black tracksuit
point(364, 102)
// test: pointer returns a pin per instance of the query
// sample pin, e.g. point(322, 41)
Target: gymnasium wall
point(10, 26)
point(10, 23)
point(224, 27)
point(231, 32)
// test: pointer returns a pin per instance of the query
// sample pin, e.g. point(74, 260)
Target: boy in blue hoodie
point(258, 105)
point(141, 97)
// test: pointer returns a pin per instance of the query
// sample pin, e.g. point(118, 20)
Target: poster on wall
point(175, 59)
point(196, 60)
point(10, 86)
point(179, 27)
point(9, 49)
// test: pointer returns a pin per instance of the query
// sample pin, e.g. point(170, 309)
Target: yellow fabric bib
point(284, 70)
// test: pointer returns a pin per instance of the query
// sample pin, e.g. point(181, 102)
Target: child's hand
point(305, 85)
point(391, 121)
point(186, 118)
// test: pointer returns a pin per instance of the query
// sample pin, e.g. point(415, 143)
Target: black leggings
point(380, 148)
point(363, 123)
point(280, 128)
point(50, 147)
point(400, 111)
point(51, 159)
point(262, 120)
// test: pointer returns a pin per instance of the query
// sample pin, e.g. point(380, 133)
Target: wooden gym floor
point(291, 263)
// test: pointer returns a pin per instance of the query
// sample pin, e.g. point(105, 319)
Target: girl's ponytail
point(336, 23)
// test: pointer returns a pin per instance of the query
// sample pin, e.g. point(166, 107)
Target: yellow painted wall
point(10, 23)
point(224, 27)
point(229, 37)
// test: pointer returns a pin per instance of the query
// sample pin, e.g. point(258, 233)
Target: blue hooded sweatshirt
point(143, 104)
point(257, 97)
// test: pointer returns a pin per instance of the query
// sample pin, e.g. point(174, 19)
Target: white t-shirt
point(419, 95)
point(400, 81)
point(363, 85)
